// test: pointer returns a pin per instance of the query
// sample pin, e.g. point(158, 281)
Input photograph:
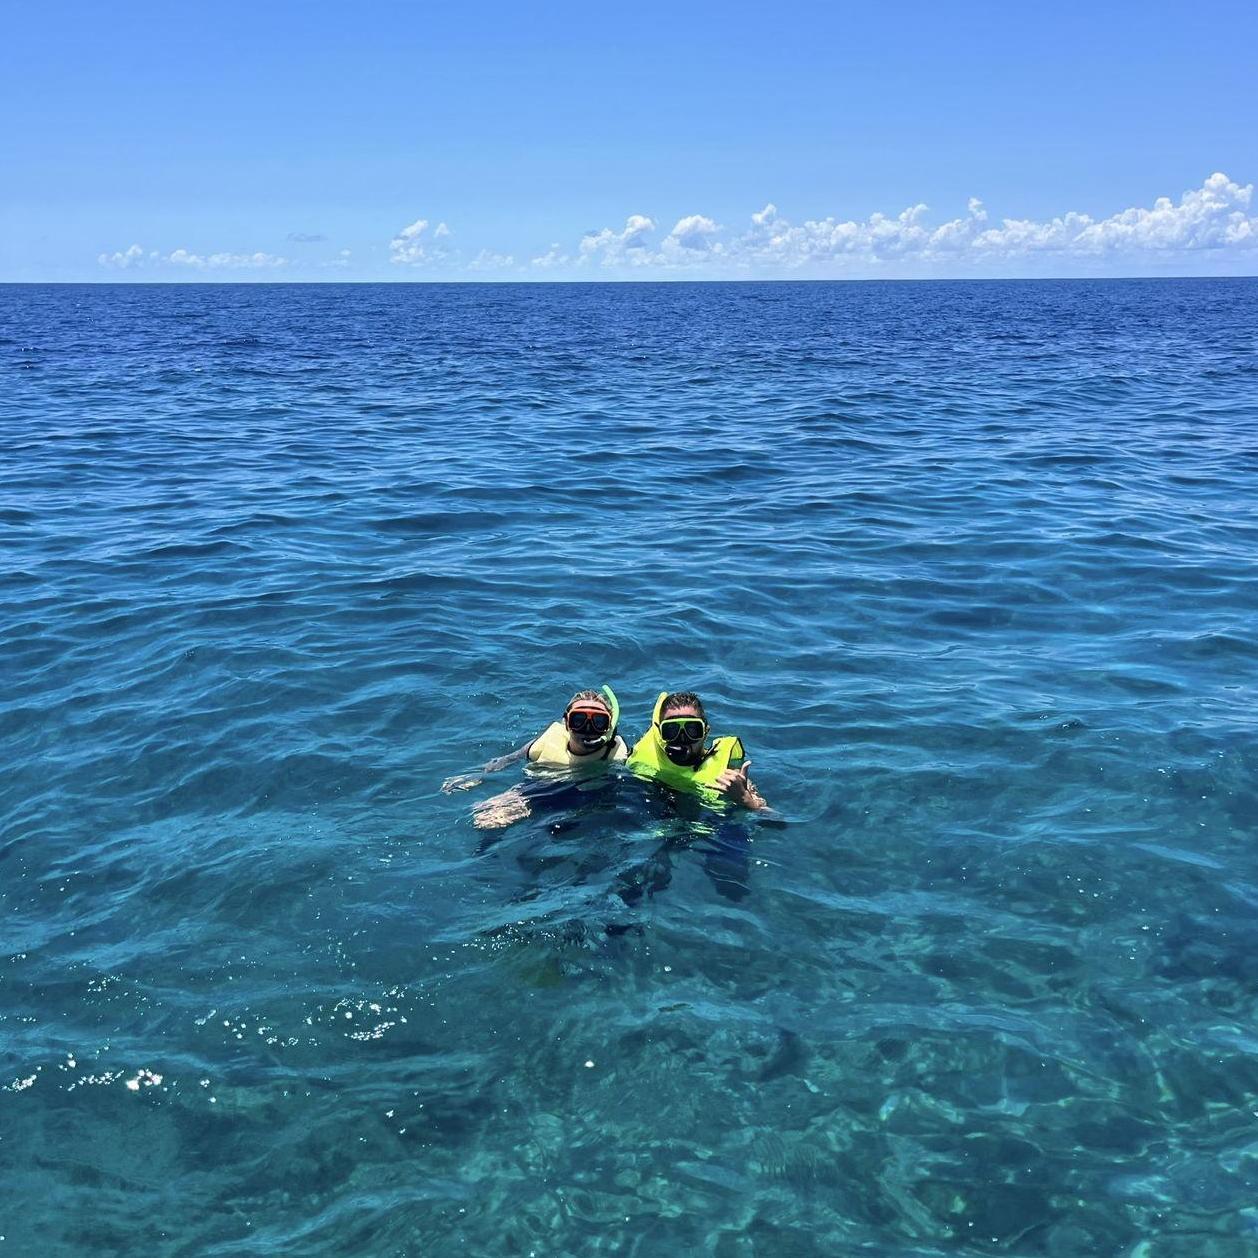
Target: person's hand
point(500, 762)
point(461, 782)
point(734, 784)
point(500, 811)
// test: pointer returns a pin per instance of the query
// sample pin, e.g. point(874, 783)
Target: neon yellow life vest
point(649, 759)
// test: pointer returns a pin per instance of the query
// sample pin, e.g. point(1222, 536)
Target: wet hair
point(587, 696)
point(684, 699)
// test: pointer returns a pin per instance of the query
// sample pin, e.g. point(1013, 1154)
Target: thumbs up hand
point(737, 786)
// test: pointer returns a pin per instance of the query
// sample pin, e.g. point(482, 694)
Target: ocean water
point(969, 567)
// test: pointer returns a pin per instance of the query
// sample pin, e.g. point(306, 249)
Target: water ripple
point(970, 568)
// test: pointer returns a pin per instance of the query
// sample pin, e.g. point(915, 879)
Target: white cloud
point(773, 240)
point(695, 232)
point(553, 257)
point(225, 261)
point(488, 260)
point(338, 263)
point(614, 248)
point(124, 260)
point(409, 248)
point(1215, 216)
point(136, 256)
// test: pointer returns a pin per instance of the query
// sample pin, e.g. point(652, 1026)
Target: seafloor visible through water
point(971, 569)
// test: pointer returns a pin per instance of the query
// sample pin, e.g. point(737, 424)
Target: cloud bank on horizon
point(137, 257)
point(1215, 218)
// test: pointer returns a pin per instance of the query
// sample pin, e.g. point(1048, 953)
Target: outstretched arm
point(465, 781)
point(734, 784)
point(505, 762)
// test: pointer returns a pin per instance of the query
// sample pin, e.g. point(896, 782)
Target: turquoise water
point(971, 569)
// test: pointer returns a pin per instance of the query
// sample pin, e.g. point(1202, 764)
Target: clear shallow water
point(970, 567)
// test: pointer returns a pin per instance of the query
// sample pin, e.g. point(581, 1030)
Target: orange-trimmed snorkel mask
point(592, 722)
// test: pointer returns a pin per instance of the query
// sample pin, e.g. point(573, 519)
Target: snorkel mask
point(590, 725)
point(681, 739)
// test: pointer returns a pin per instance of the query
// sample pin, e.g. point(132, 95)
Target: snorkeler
point(675, 751)
point(585, 736)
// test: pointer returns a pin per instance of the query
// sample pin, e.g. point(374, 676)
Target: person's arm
point(465, 781)
point(505, 762)
point(735, 785)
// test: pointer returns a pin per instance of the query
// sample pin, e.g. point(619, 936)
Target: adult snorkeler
point(585, 737)
point(675, 751)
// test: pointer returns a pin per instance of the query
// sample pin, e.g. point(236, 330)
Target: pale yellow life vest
point(550, 748)
point(649, 759)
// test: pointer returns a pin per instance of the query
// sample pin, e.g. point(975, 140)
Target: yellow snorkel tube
point(656, 713)
point(614, 704)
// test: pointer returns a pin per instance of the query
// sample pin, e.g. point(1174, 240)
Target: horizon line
point(615, 283)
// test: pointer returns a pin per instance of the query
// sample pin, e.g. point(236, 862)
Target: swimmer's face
point(681, 750)
point(588, 722)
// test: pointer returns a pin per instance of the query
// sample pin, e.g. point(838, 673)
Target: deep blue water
point(971, 569)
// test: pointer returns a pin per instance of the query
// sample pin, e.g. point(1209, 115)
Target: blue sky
point(561, 141)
